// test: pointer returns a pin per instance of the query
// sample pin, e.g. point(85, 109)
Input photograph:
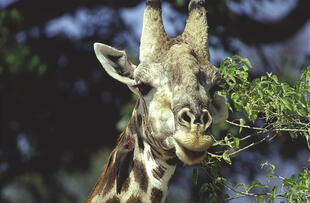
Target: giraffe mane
point(97, 186)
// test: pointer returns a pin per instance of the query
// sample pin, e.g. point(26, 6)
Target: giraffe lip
point(191, 153)
point(198, 143)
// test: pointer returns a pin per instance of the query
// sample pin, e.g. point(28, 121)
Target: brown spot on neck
point(140, 142)
point(172, 161)
point(108, 181)
point(139, 120)
point(125, 185)
point(140, 175)
point(134, 199)
point(158, 173)
point(113, 200)
point(156, 195)
point(107, 178)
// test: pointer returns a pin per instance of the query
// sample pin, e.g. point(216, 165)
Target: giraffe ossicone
point(177, 105)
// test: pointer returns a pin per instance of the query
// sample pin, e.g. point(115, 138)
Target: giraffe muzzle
point(200, 121)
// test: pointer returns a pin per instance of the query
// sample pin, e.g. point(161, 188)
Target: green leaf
point(271, 166)
point(226, 196)
point(269, 177)
point(34, 62)
point(227, 142)
point(237, 142)
point(273, 195)
point(247, 62)
point(264, 164)
point(256, 183)
point(195, 175)
point(41, 70)
point(227, 158)
point(214, 171)
point(269, 75)
point(221, 180)
point(204, 188)
point(308, 138)
point(15, 15)
point(180, 3)
point(216, 143)
point(275, 78)
point(242, 122)
point(248, 188)
point(274, 191)
point(260, 199)
point(239, 185)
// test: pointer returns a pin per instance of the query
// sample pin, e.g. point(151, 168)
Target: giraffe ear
point(115, 62)
point(123, 165)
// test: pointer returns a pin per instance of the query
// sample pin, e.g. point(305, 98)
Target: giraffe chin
point(189, 157)
point(194, 140)
point(191, 148)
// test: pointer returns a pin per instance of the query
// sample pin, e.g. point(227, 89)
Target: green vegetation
point(283, 110)
point(16, 58)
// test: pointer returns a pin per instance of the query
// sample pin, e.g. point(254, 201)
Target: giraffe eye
point(144, 88)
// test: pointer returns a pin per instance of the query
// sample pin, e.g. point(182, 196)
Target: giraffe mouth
point(188, 156)
point(193, 141)
point(192, 154)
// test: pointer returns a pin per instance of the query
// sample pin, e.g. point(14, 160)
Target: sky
point(74, 26)
point(5, 3)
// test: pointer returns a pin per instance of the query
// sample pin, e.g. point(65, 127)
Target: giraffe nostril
point(205, 118)
point(185, 117)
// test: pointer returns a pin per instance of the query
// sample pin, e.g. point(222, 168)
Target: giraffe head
point(175, 82)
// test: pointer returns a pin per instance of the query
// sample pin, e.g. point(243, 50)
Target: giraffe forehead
point(179, 67)
point(183, 61)
point(182, 72)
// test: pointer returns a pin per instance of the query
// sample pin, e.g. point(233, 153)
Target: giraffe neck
point(135, 171)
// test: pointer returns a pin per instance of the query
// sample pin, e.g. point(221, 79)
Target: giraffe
point(177, 104)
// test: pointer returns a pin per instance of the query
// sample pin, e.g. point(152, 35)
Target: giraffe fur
point(177, 105)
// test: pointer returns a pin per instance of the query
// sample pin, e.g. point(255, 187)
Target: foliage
point(281, 108)
point(126, 112)
point(16, 58)
point(294, 189)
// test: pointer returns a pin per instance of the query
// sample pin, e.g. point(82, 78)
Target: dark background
point(59, 110)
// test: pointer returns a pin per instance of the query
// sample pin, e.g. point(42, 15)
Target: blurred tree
point(239, 25)
point(46, 106)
